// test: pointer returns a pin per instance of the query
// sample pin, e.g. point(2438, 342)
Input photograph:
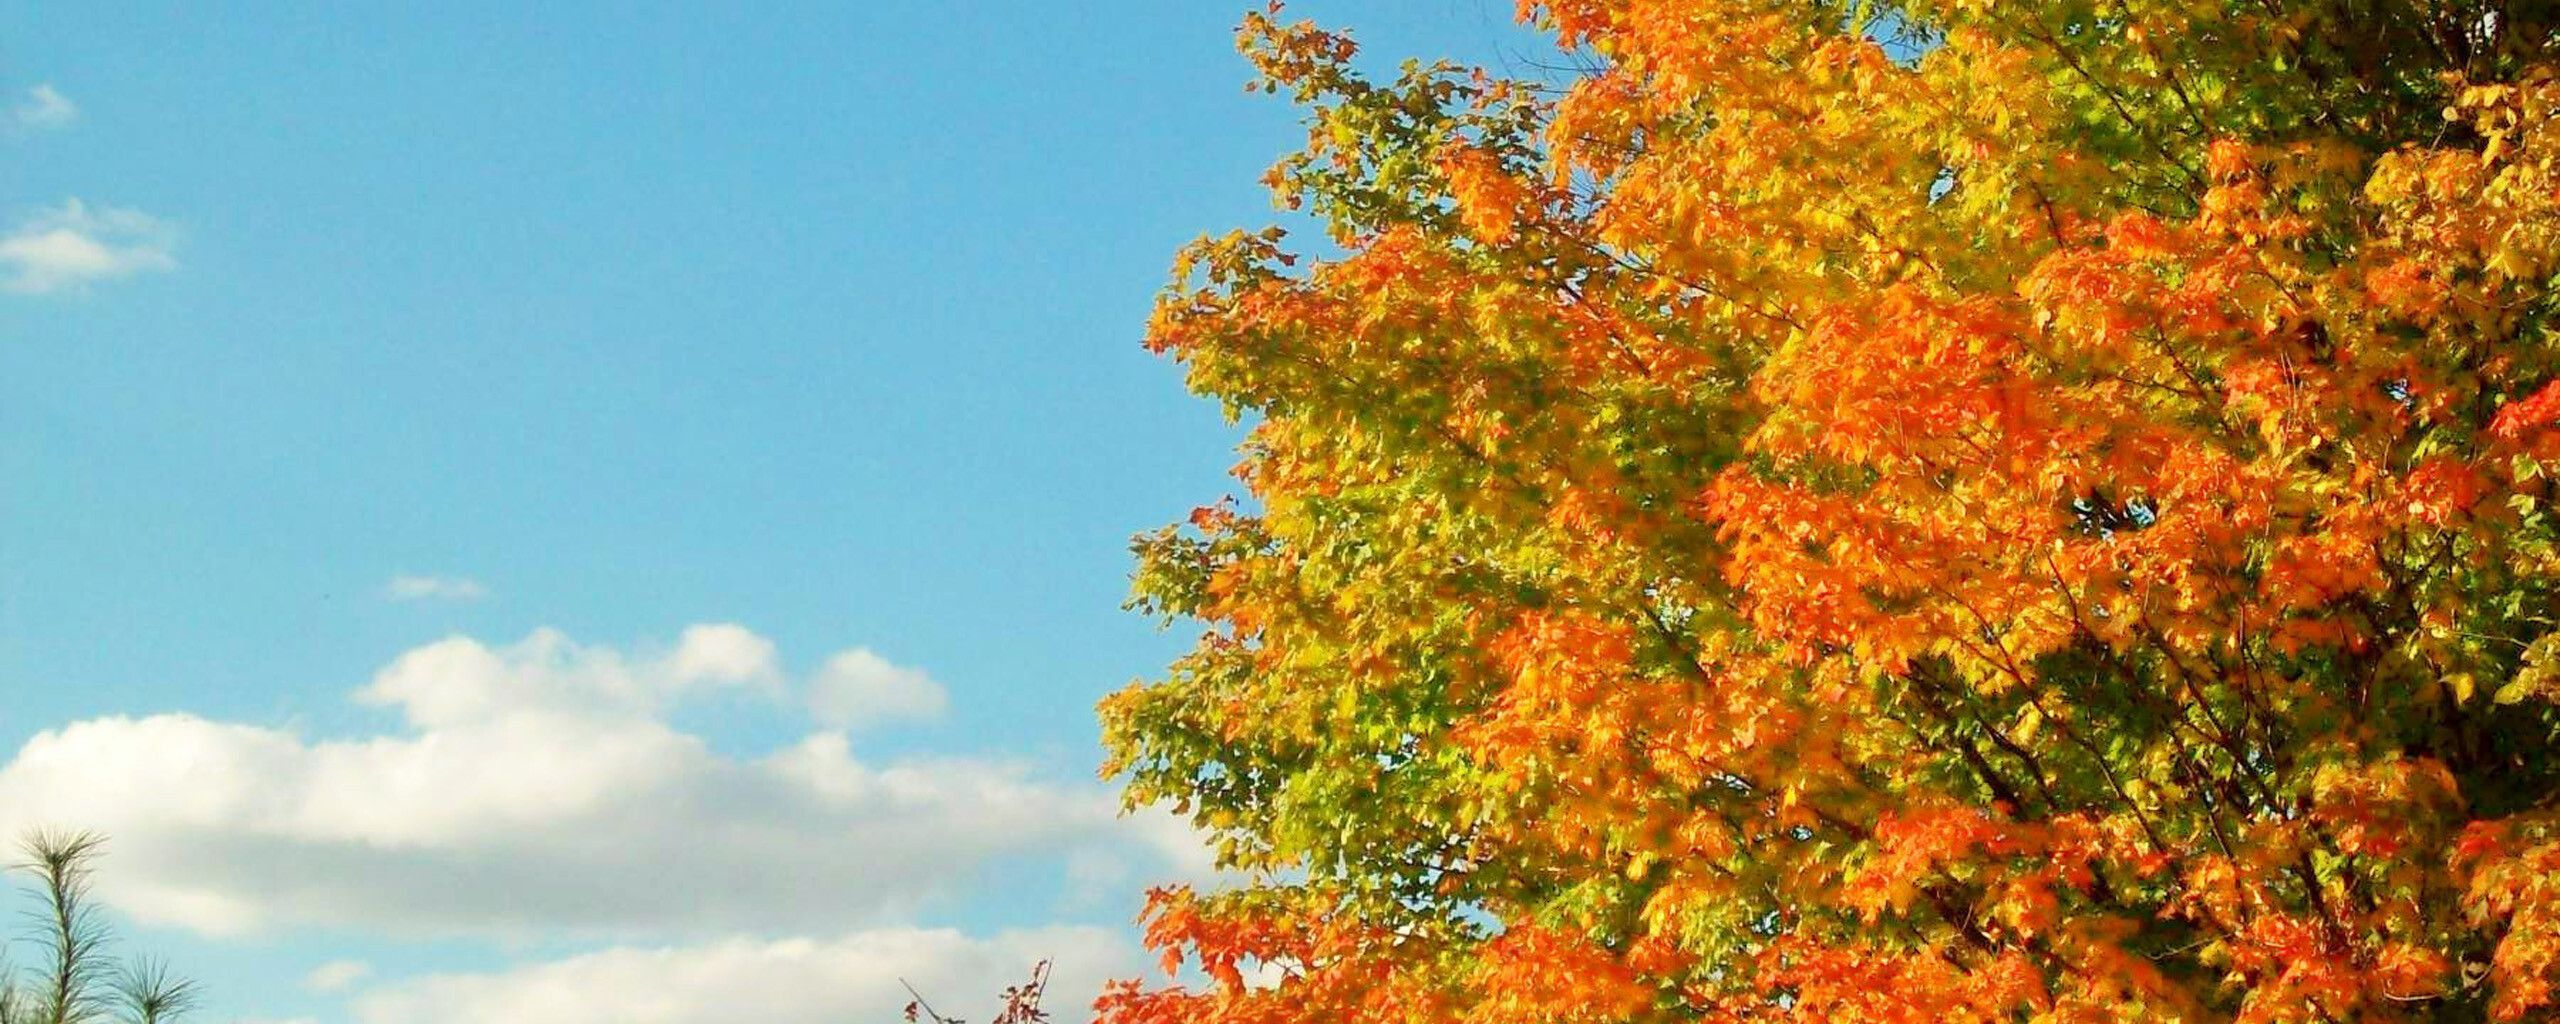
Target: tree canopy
point(1855, 510)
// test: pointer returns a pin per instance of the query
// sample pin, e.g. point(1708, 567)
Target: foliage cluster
point(1881, 510)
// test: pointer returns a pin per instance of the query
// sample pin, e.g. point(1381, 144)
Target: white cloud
point(336, 976)
point(724, 653)
point(786, 981)
point(42, 109)
point(537, 788)
point(71, 246)
point(434, 588)
point(859, 688)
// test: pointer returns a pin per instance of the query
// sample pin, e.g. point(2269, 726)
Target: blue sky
point(750, 407)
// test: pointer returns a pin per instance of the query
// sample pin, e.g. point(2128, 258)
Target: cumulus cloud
point(434, 588)
point(724, 653)
point(43, 109)
point(860, 688)
point(539, 788)
point(787, 981)
point(72, 246)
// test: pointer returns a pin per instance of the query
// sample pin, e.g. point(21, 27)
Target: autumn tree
point(1856, 510)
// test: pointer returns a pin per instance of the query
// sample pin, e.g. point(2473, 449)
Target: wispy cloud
point(73, 245)
point(336, 976)
point(42, 109)
point(434, 588)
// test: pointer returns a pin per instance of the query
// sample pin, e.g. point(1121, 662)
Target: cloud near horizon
point(858, 976)
point(539, 788)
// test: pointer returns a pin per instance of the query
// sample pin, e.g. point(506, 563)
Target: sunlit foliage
point(1934, 511)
